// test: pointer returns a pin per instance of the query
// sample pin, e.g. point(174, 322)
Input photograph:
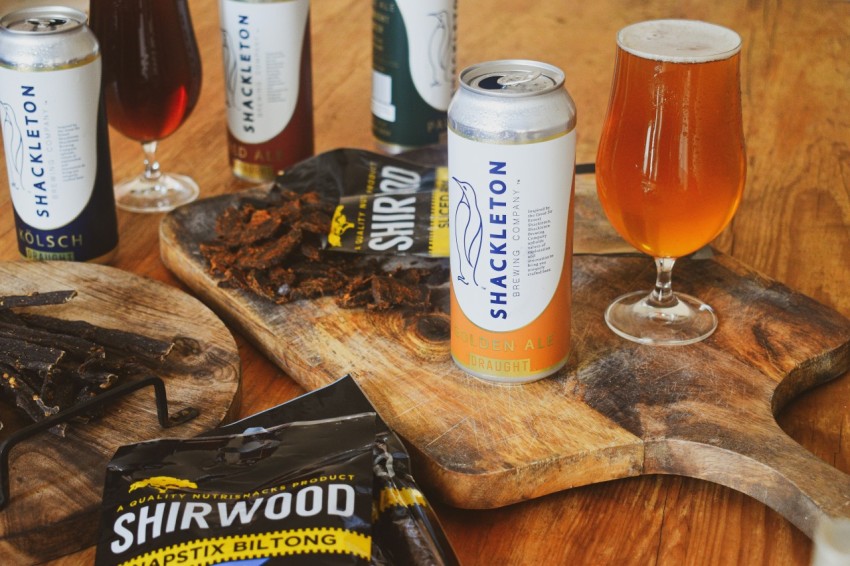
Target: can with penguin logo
point(268, 80)
point(55, 136)
point(413, 71)
point(511, 166)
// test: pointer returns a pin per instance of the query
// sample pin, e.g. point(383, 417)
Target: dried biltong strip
point(99, 372)
point(231, 219)
point(71, 344)
point(315, 288)
point(102, 379)
point(389, 292)
point(314, 222)
point(356, 297)
point(258, 281)
point(311, 250)
point(120, 340)
point(86, 394)
point(37, 299)
point(9, 317)
point(24, 396)
point(271, 253)
point(220, 257)
point(314, 201)
point(58, 390)
point(257, 224)
point(276, 249)
point(24, 356)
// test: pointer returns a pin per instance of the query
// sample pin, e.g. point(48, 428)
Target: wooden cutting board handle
point(761, 460)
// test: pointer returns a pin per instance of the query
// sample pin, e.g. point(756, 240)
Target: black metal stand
point(165, 421)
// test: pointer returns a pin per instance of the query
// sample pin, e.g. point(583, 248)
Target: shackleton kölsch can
point(511, 151)
point(413, 71)
point(55, 136)
point(268, 85)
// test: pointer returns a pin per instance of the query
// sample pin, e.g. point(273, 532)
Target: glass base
point(165, 193)
point(686, 321)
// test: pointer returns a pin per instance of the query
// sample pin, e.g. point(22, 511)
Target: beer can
point(268, 85)
point(511, 152)
point(55, 136)
point(413, 71)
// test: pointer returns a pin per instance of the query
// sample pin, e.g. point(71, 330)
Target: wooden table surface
point(793, 225)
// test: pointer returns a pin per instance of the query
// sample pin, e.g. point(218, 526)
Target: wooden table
point(793, 225)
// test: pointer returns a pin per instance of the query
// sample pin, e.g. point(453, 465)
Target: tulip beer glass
point(151, 78)
point(671, 167)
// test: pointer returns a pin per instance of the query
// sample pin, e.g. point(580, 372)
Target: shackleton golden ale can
point(55, 136)
point(268, 85)
point(511, 151)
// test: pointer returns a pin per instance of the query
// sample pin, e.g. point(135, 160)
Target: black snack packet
point(384, 205)
point(298, 493)
point(405, 531)
point(324, 432)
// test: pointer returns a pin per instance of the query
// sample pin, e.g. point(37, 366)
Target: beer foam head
point(679, 41)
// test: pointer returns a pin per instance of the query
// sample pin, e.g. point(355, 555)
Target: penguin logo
point(230, 75)
point(468, 229)
point(439, 49)
point(14, 144)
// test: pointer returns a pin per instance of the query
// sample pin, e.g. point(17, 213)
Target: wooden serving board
point(617, 410)
point(56, 484)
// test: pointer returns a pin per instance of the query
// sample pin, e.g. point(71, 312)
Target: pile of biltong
point(274, 246)
point(49, 364)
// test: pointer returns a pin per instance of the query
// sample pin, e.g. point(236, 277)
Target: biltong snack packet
point(384, 205)
point(298, 493)
point(322, 434)
point(405, 530)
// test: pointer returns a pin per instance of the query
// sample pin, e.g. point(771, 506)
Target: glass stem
point(152, 172)
point(662, 296)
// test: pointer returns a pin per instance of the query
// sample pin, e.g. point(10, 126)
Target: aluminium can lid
point(512, 78)
point(42, 20)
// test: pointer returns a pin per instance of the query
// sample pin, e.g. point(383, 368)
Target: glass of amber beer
point(151, 82)
point(671, 167)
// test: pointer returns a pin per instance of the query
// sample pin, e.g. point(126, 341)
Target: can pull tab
point(508, 80)
point(46, 23)
point(513, 79)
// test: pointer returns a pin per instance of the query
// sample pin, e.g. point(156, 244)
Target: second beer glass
point(151, 78)
point(671, 167)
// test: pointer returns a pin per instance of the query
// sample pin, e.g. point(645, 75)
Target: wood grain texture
point(617, 410)
point(56, 483)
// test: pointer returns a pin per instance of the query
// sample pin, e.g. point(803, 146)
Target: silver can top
point(512, 78)
point(511, 101)
point(45, 38)
point(43, 19)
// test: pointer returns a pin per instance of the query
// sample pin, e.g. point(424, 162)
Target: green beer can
point(413, 71)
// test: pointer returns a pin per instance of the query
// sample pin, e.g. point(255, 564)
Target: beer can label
point(262, 44)
point(413, 69)
point(49, 136)
point(509, 215)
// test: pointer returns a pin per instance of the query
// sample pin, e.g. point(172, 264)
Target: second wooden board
point(617, 410)
point(56, 483)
